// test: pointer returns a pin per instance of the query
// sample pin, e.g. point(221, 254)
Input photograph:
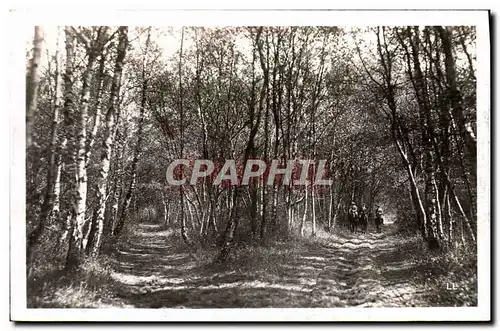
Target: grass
point(453, 277)
point(447, 278)
point(253, 255)
point(90, 287)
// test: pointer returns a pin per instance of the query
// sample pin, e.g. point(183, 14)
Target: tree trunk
point(138, 146)
point(465, 128)
point(414, 191)
point(304, 217)
point(434, 224)
point(68, 143)
point(184, 234)
point(97, 117)
point(253, 208)
point(76, 243)
point(111, 216)
point(108, 140)
point(331, 202)
point(166, 209)
point(232, 225)
point(450, 218)
point(32, 83)
point(135, 161)
point(50, 206)
point(313, 207)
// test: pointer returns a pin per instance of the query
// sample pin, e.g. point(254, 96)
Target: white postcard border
point(24, 19)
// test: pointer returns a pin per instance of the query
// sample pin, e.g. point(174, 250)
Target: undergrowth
point(88, 287)
point(447, 277)
point(452, 277)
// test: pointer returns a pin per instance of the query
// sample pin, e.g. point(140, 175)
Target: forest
point(387, 113)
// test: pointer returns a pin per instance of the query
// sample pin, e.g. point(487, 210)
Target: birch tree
point(108, 137)
point(32, 82)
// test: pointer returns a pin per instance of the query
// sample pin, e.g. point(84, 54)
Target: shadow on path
point(363, 270)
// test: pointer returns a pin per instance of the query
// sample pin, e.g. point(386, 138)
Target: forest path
point(352, 270)
point(368, 270)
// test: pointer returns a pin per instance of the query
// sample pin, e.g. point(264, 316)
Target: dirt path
point(352, 270)
point(364, 271)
